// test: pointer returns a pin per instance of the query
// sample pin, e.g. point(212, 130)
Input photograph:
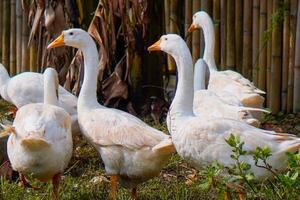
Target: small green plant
point(284, 185)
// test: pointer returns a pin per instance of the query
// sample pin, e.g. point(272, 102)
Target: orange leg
point(113, 187)
point(55, 182)
point(133, 193)
point(25, 183)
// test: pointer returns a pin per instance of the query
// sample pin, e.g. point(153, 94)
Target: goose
point(131, 150)
point(201, 141)
point(40, 139)
point(27, 87)
point(228, 80)
point(224, 105)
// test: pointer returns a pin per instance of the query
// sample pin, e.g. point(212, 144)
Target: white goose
point(40, 141)
point(201, 141)
point(131, 150)
point(229, 81)
point(211, 105)
point(27, 87)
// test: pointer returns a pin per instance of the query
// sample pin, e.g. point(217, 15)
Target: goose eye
point(71, 33)
point(166, 38)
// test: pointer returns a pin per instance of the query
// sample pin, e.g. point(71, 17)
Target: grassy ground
point(86, 179)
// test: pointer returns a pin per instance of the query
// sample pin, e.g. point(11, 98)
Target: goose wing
point(111, 127)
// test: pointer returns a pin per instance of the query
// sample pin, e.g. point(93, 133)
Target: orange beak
point(192, 28)
point(58, 42)
point(155, 46)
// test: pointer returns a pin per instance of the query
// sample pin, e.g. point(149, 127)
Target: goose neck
point(199, 77)
point(50, 90)
point(209, 40)
point(183, 101)
point(88, 92)
point(4, 76)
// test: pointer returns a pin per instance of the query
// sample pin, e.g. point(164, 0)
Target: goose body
point(131, 150)
point(201, 141)
point(41, 141)
point(28, 87)
point(208, 104)
point(228, 80)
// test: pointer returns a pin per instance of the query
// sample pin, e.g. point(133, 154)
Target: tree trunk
point(292, 40)
point(12, 37)
point(216, 16)
point(196, 34)
point(262, 62)
point(223, 33)
point(230, 35)
point(25, 50)
point(285, 56)
point(5, 33)
point(255, 41)
point(297, 66)
point(276, 64)
point(18, 36)
point(239, 35)
point(269, 52)
point(247, 39)
point(188, 20)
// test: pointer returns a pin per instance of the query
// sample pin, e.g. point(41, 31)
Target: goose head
point(199, 19)
point(171, 44)
point(74, 37)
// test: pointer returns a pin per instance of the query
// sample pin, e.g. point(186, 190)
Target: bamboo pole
point(1, 16)
point(239, 35)
point(223, 32)
point(33, 57)
point(12, 37)
point(5, 33)
point(203, 4)
point(230, 36)
point(207, 7)
point(18, 36)
point(285, 55)
point(269, 51)
point(196, 34)
point(25, 37)
point(262, 62)
point(276, 63)
point(188, 20)
point(174, 16)
point(297, 66)
point(173, 29)
point(167, 15)
point(216, 16)
point(255, 41)
point(292, 40)
point(247, 39)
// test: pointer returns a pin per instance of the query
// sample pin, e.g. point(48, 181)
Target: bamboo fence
point(258, 38)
